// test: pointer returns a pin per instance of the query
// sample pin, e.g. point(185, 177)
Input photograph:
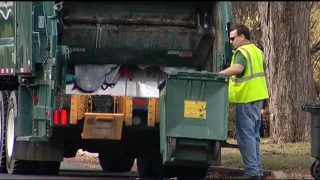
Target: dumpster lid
point(196, 74)
point(310, 106)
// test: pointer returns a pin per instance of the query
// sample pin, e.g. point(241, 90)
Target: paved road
point(69, 171)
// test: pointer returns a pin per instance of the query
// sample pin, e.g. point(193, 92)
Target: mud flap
point(43, 151)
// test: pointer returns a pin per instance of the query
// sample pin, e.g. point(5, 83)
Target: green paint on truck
point(172, 51)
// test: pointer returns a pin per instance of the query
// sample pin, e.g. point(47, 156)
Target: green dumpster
point(194, 113)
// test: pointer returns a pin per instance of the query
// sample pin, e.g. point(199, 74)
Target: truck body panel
point(88, 75)
point(138, 33)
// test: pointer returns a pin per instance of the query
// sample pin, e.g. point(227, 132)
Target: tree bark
point(285, 38)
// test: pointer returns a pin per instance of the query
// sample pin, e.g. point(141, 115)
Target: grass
point(288, 156)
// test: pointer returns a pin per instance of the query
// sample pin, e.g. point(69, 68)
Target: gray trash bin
point(314, 109)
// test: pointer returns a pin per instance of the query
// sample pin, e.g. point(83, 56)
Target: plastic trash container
point(193, 116)
point(194, 104)
point(314, 109)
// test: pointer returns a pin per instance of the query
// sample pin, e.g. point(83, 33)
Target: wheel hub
point(10, 134)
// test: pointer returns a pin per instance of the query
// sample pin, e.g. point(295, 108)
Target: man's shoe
point(250, 177)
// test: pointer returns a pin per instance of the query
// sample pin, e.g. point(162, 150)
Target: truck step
point(33, 138)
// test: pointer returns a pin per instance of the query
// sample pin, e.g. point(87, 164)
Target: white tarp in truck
point(107, 80)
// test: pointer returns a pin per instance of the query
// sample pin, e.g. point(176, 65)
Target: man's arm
point(233, 70)
point(237, 68)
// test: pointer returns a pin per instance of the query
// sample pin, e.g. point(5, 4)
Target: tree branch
point(315, 48)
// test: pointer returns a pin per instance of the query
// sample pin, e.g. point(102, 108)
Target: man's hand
point(233, 70)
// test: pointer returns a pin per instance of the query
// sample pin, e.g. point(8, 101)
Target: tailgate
point(160, 33)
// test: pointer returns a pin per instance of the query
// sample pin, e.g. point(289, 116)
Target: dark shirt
point(265, 104)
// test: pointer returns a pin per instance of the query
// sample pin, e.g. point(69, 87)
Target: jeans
point(248, 121)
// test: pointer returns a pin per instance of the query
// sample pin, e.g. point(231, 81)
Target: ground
point(292, 160)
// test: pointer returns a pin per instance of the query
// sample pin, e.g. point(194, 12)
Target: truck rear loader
point(128, 80)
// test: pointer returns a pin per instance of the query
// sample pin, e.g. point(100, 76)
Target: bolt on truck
point(129, 81)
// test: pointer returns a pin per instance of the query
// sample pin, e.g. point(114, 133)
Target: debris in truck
point(116, 80)
point(88, 78)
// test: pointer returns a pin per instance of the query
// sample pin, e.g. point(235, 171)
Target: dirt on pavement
point(289, 161)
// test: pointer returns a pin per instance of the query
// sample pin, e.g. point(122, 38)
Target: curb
point(219, 169)
point(240, 171)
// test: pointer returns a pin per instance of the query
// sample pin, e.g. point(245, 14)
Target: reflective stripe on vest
point(252, 75)
point(252, 86)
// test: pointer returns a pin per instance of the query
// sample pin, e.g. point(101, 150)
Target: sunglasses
point(232, 38)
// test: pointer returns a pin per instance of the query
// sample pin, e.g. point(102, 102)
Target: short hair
point(242, 29)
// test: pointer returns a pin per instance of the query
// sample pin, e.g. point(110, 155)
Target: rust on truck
point(78, 107)
point(153, 112)
point(155, 13)
point(131, 21)
point(148, 31)
point(102, 126)
point(124, 106)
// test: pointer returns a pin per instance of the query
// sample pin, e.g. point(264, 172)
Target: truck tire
point(48, 168)
point(70, 151)
point(15, 166)
point(4, 97)
point(145, 167)
point(152, 167)
point(113, 163)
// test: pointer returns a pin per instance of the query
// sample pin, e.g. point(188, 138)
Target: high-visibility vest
point(252, 86)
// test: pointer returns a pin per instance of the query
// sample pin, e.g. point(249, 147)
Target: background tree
point(246, 12)
point(315, 42)
point(286, 40)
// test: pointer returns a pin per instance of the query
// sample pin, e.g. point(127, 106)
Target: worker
point(247, 90)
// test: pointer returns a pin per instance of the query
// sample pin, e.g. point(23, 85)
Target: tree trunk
point(285, 37)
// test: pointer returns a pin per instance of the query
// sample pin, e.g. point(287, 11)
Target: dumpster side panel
point(214, 126)
point(315, 133)
point(193, 116)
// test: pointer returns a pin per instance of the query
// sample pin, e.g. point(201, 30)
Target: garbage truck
point(128, 80)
